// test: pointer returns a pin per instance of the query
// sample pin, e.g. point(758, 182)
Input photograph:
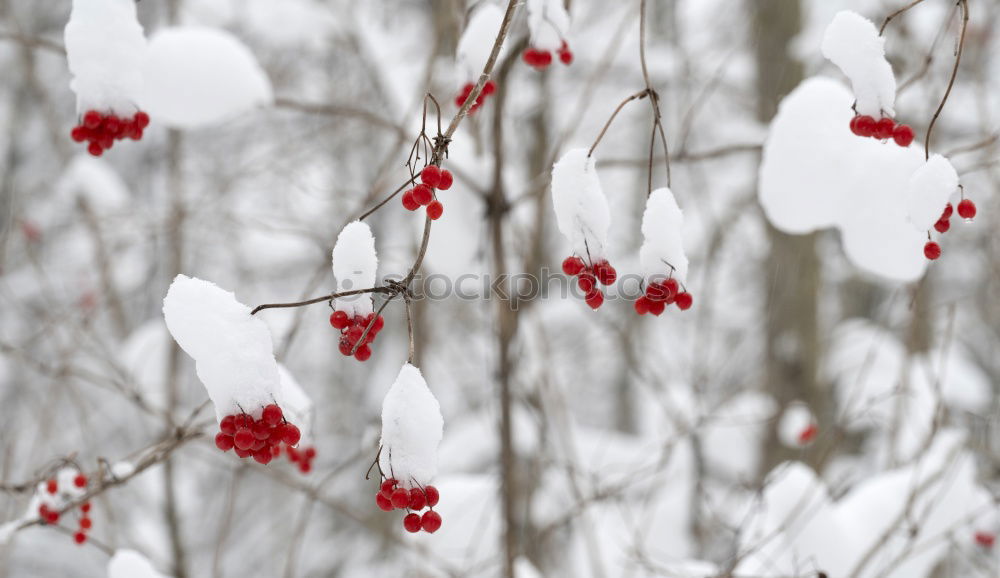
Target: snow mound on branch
point(298, 406)
point(67, 492)
point(131, 564)
point(477, 40)
point(412, 428)
point(928, 192)
point(581, 207)
point(663, 239)
point(196, 77)
point(354, 265)
point(852, 43)
point(794, 422)
point(233, 352)
point(548, 24)
point(816, 174)
point(105, 48)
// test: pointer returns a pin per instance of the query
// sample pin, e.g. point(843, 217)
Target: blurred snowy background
point(808, 415)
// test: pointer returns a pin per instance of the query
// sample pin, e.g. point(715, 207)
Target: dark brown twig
point(954, 74)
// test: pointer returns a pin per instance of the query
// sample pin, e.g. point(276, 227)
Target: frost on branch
point(412, 428)
point(662, 251)
point(580, 205)
point(928, 191)
point(354, 265)
point(131, 564)
point(197, 77)
point(852, 43)
point(105, 48)
point(232, 349)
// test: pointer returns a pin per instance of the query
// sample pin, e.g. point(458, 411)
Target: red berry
point(95, 149)
point(595, 299)
point(52, 486)
point(434, 210)
point(884, 128)
point(379, 324)
point(310, 453)
point(112, 125)
point(566, 56)
point(261, 430)
point(79, 537)
point(641, 306)
point(80, 480)
point(423, 194)
point(431, 521)
point(446, 180)
point(605, 273)
point(263, 456)
point(410, 203)
point(430, 176)
point(92, 119)
point(243, 453)
point(339, 319)
point(586, 282)
point(291, 434)
point(417, 499)
point(52, 516)
point(224, 442)
point(383, 502)
point(86, 523)
point(573, 266)
point(432, 495)
point(400, 498)
point(228, 425)
point(657, 307)
point(932, 250)
point(489, 88)
point(948, 210)
point(942, 225)
point(305, 467)
point(243, 439)
point(412, 523)
point(854, 125)
point(808, 434)
point(985, 539)
point(544, 58)
point(865, 125)
point(903, 135)
point(257, 445)
point(78, 134)
point(672, 288)
point(85, 507)
point(966, 209)
point(272, 415)
point(529, 56)
point(141, 119)
point(364, 352)
point(345, 347)
point(684, 301)
point(242, 421)
point(388, 486)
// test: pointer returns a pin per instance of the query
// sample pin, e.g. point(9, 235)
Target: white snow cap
point(548, 24)
point(233, 353)
point(816, 174)
point(663, 241)
point(131, 564)
point(477, 40)
point(298, 407)
point(105, 48)
point(852, 43)
point(412, 428)
point(354, 265)
point(581, 207)
point(928, 191)
point(795, 425)
point(196, 77)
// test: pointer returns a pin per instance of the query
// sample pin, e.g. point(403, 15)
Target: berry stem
point(964, 4)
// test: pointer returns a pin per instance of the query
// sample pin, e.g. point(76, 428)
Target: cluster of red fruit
point(659, 294)
point(489, 88)
point(302, 457)
point(261, 438)
point(543, 58)
point(390, 497)
point(966, 210)
point(51, 515)
point(102, 130)
point(883, 129)
point(589, 276)
point(351, 330)
point(431, 178)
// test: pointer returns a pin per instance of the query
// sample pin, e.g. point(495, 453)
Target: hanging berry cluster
point(489, 88)
point(102, 130)
point(541, 59)
point(392, 497)
point(659, 294)
point(260, 438)
point(966, 210)
point(53, 499)
point(883, 129)
point(432, 179)
point(301, 457)
point(351, 330)
point(588, 276)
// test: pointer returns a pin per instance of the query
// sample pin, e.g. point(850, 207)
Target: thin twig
point(639, 95)
point(897, 13)
point(951, 82)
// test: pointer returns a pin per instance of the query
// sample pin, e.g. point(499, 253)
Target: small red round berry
point(379, 324)
point(86, 523)
point(112, 125)
point(684, 301)
point(243, 453)
point(595, 299)
point(586, 282)
point(657, 307)
point(272, 414)
point(291, 434)
point(942, 225)
point(363, 353)
point(80, 480)
point(565, 55)
point(605, 273)
point(79, 537)
point(417, 499)
point(51, 486)
point(92, 119)
point(388, 486)
point(258, 445)
point(808, 434)
point(431, 521)
point(339, 319)
point(884, 128)
point(432, 495)
point(529, 56)
point(434, 210)
point(423, 194)
point(224, 442)
point(932, 250)
point(243, 439)
point(446, 180)
point(383, 502)
point(489, 88)
point(412, 523)
point(95, 149)
point(400, 498)
point(903, 135)
point(310, 453)
point(865, 125)
point(430, 176)
point(52, 516)
point(305, 467)
point(78, 134)
point(228, 425)
point(573, 266)
point(263, 456)
point(854, 125)
point(948, 210)
point(261, 430)
point(85, 507)
point(966, 209)
point(641, 306)
point(985, 539)
point(141, 120)
point(242, 421)
point(345, 347)
point(409, 202)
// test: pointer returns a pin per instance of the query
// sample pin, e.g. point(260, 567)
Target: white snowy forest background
point(827, 407)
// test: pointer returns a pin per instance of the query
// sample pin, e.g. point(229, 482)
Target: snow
point(816, 174)
point(796, 418)
point(197, 77)
point(232, 349)
point(105, 48)
point(663, 239)
point(477, 40)
point(122, 469)
point(581, 207)
point(131, 564)
point(354, 265)
point(67, 493)
point(95, 181)
point(7, 530)
point(548, 24)
point(412, 428)
point(928, 191)
point(298, 407)
point(852, 43)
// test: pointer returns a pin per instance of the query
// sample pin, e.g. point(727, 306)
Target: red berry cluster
point(257, 438)
point(50, 515)
point(351, 330)
point(985, 539)
point(431, 178)
point(302, 457)
point(102, 130)
point(966, 210)
point(489, 88)
point(659, 294)
point(589, 276)
point(541, 59)
point(390, 497)
point(883, 129)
